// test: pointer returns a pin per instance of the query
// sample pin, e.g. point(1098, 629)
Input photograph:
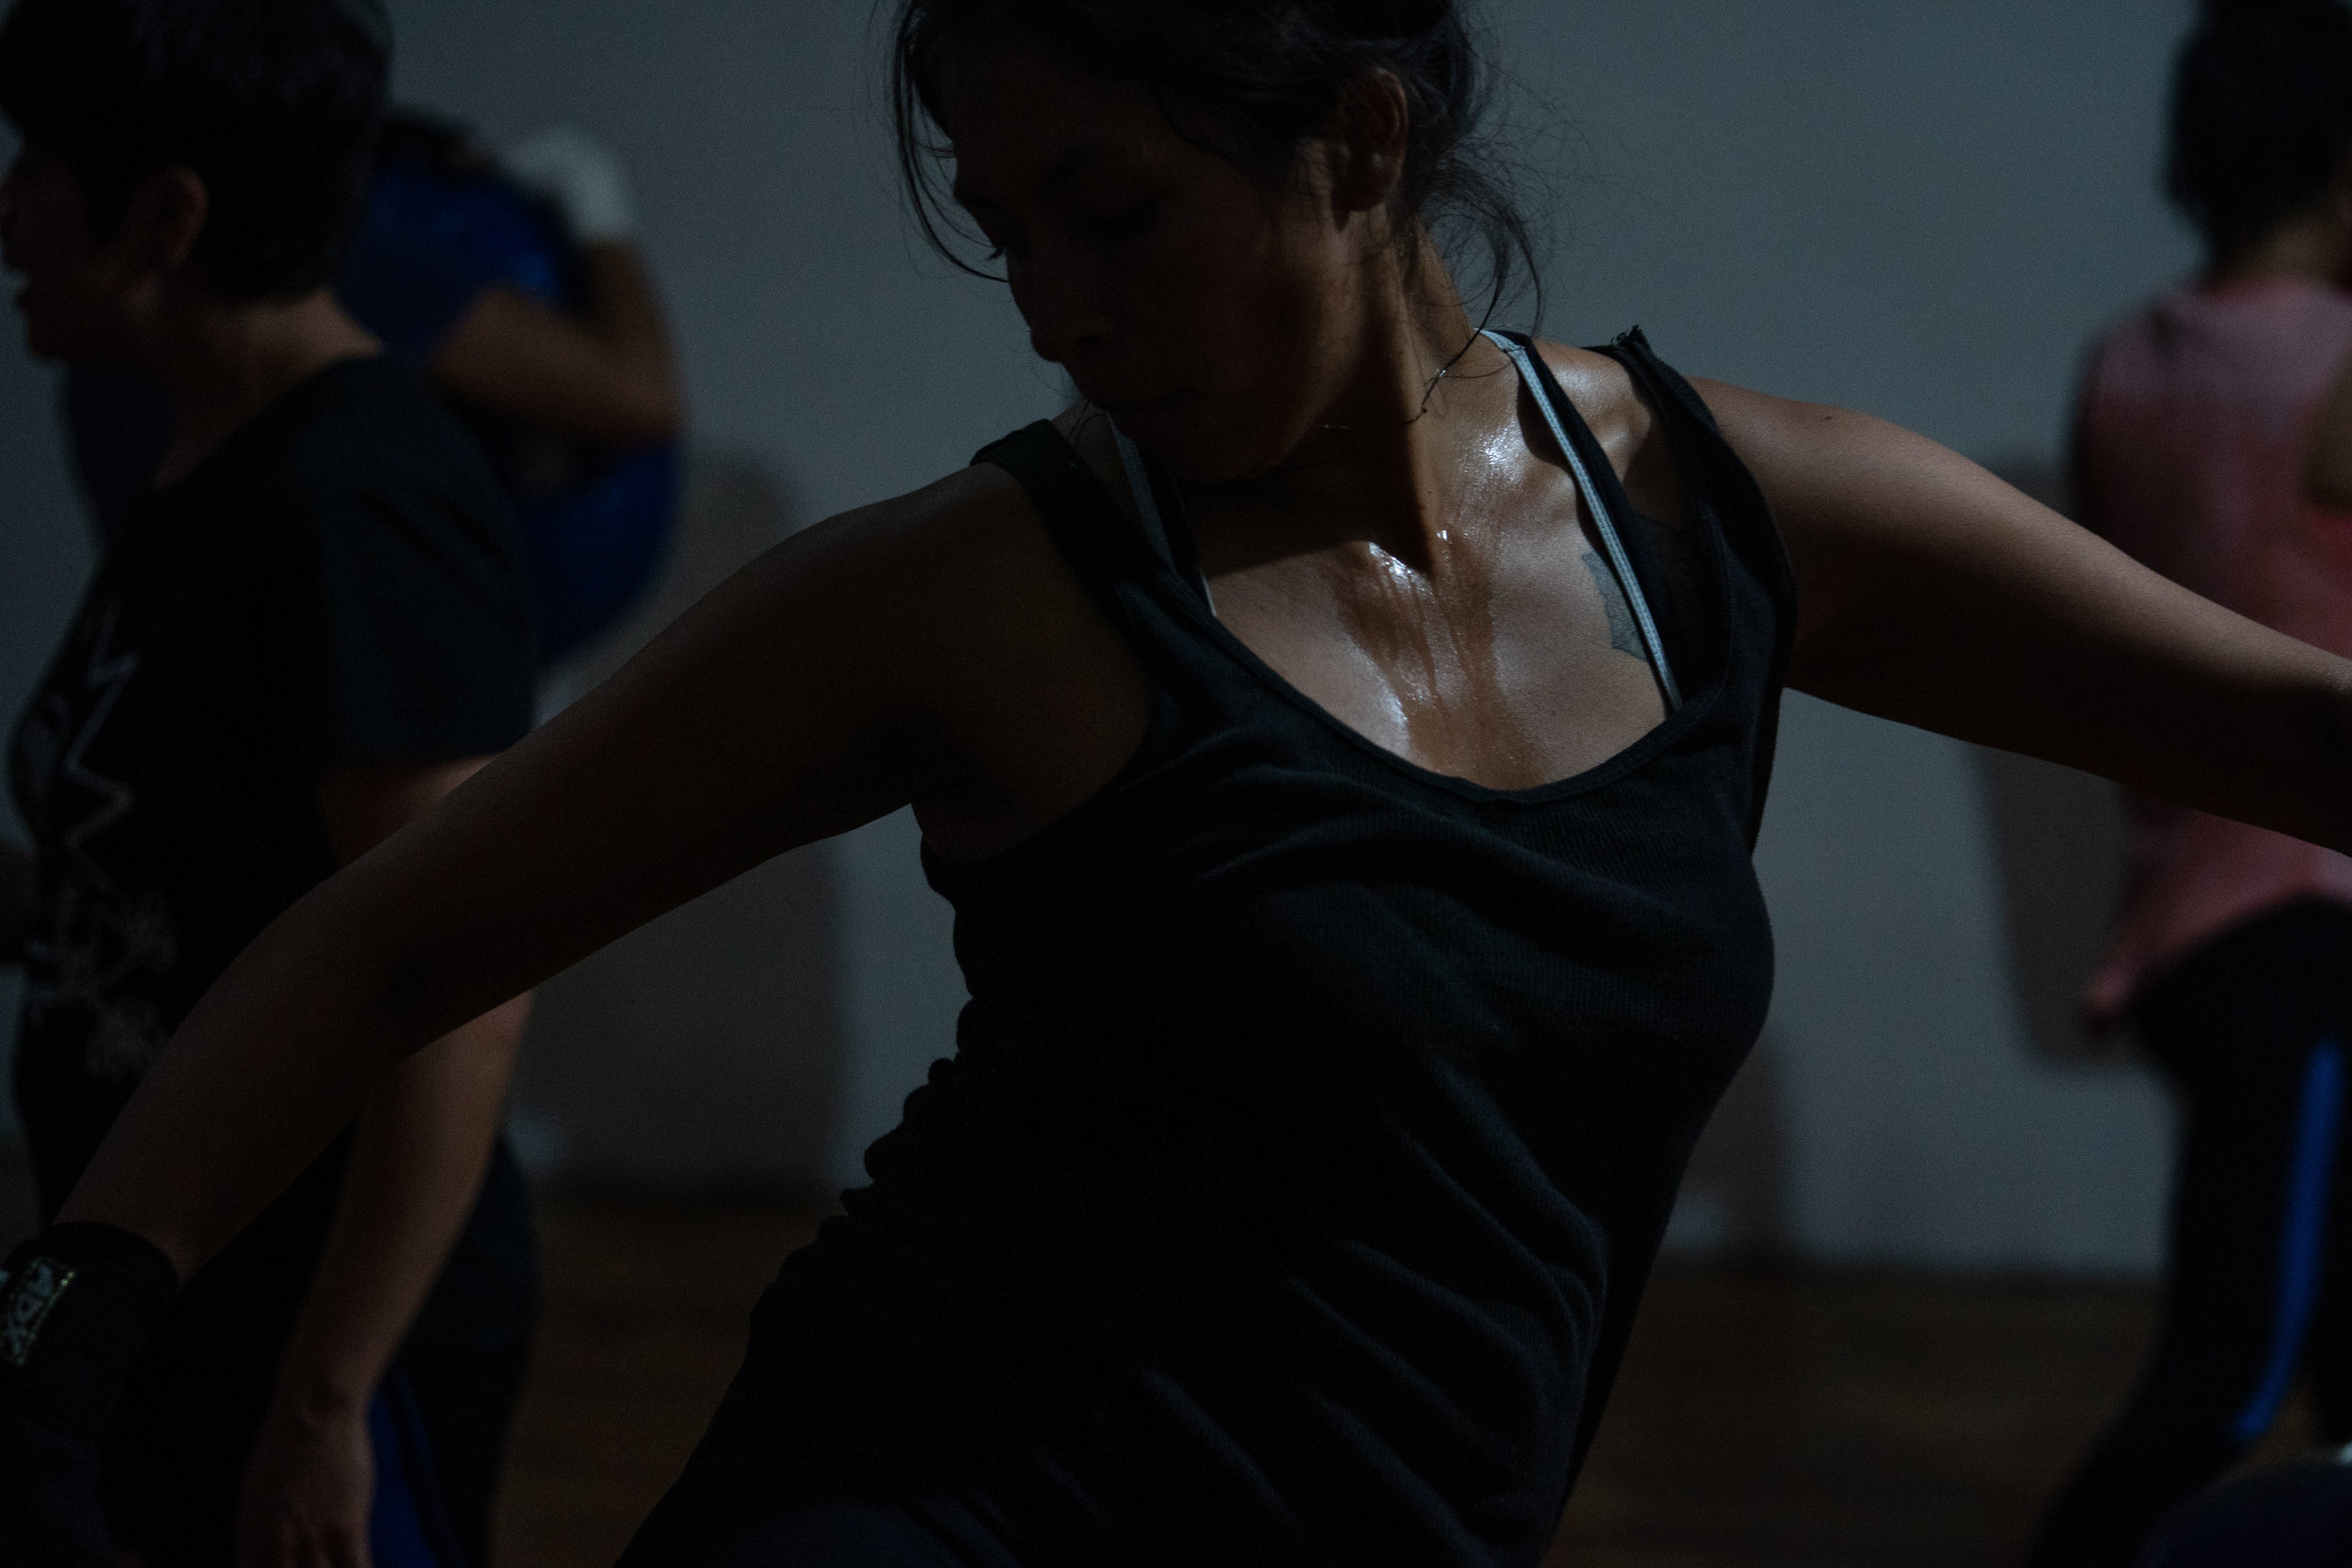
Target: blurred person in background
point(514, 284)
point(310, 622)
point(2213, 443)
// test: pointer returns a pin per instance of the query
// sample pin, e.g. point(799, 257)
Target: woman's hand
point(310, 1491)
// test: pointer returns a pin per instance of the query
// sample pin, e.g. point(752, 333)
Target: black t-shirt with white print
point(340, 583)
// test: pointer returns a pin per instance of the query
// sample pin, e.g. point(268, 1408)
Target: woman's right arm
point(816, 690)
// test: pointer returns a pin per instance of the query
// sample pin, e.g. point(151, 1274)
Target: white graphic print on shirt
point(95, 940)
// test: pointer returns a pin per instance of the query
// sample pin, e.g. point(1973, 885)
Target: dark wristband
point(77, 1307)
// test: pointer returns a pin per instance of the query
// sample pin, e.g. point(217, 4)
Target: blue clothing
point(431, 244)
point(338, 584)
point(407, 1528)
point(2252, 1030)
point(594, 521)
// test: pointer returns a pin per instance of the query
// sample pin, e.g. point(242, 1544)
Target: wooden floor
point(1765, 1420)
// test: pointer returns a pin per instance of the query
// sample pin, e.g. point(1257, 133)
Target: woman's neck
point(222, 364)
point(1385, 463)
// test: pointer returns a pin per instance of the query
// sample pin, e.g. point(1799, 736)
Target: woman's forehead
point(1025, 116)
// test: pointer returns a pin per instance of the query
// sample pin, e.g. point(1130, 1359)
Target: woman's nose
point(1060, 296)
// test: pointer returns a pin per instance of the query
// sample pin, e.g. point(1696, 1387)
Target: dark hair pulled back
point(1260, 78)
point(2261, 115)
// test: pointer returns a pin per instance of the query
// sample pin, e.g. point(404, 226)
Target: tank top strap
point(1161, 505)
point(1724, 495)
point(1715, 481)
point(1101, 542)
point(1631, 556)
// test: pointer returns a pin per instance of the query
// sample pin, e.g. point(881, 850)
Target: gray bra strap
point(1614, 546)
point(1154, 525)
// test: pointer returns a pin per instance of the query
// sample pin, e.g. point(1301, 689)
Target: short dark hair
point(276, 104)
point(2261, 115)
point(1268, 74)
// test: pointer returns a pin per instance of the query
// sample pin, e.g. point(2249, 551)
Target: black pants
point(2255, 1032)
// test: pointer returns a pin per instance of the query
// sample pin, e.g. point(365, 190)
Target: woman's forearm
point(278, 1058)
point(416, 1163)
point(286, 1048)
point(791, 705)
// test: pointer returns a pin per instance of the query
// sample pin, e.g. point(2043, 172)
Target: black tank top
point(1316, 1116)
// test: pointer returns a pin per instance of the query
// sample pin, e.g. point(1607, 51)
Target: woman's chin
point(1182, 437)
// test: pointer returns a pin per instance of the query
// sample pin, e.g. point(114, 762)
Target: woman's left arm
point(1930, 593)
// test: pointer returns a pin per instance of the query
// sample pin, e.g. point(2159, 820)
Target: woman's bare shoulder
point(951, 545)
point(964, 572)
point(1605, 394)
point(1626, 426)
point(1024, 686)
point(1599, 388)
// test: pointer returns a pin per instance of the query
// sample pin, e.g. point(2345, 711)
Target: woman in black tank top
point(1342, 739)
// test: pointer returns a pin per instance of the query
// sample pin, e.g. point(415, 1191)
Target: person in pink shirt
point(2214, 444)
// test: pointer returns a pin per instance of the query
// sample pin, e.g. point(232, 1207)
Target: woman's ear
point(1372, 130)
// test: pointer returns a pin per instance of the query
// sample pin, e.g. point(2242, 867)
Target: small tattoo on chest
point(1624, 635)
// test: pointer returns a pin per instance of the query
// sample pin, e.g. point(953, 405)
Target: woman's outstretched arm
point(813, 692)
point(1932, 593)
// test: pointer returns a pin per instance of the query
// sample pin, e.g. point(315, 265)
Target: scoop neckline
point(1174, 593)
point(1627, 759)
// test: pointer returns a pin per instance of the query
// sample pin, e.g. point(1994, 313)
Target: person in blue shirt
point(516, 285)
